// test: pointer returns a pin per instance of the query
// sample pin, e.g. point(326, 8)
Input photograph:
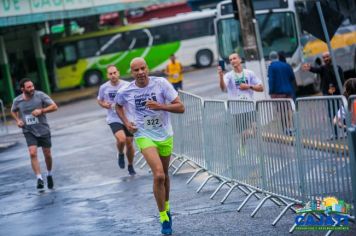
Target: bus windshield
point(278, 33)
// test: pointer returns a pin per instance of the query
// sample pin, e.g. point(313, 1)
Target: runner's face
point(140, 72)
point(235, 60)
point(28, 89)
point(113, 74)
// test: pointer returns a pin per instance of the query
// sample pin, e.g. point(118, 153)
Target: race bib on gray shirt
point(38, 126)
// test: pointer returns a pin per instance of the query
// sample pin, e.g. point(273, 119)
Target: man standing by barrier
point(174, 71)
point(150, 99)
point(327, 75)
point(29, 110)
point(328, 84)
point(106, 96)
point(239, 83)
point(281, 79)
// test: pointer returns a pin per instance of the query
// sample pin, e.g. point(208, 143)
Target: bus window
point(140, 38)
point(87, 48)
point(66, 55)
point(113, 44)
point(278, 33)
point(163, 34)
point(194, 29)
point(229, 38)
point(277, 30)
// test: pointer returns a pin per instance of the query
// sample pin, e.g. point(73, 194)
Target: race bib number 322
point(31, 120)
point(152, 122)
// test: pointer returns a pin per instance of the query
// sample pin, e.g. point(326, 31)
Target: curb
point(4, 146)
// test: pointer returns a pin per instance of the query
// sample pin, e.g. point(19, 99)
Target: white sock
point(49, 173)
point(39, 176)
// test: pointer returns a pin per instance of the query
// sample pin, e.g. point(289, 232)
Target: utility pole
point(252, 44)
point(248, 31)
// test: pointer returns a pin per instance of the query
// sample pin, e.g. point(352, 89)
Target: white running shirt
point(155, 125)
point(107, 93)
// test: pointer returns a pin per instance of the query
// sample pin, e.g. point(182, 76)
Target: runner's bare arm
point(221, 79)
point(257, 87)
point(121, 113)
point(176, 106)
point(51, 108)
point(104, 104)
point(19, 122)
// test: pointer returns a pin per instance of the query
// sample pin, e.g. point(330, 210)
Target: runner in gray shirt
point(29, 109)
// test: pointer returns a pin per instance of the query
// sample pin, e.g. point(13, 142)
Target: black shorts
point(117, 127)
point(42, 141)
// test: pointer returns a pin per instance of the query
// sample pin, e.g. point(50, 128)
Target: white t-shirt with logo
point(233, 80)
point(152, 124)
point(107, 92)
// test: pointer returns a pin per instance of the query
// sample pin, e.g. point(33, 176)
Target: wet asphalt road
point(92, 196)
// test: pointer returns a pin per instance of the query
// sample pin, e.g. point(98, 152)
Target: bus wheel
point(92, 78)
point(204, 58)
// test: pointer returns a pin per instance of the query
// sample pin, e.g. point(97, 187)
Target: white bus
point(280, 30)
point(82, 59)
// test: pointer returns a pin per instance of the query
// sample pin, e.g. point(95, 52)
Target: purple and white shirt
point(152, 124)
point(107, 92)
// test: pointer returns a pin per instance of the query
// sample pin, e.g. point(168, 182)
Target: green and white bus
point(82, 60)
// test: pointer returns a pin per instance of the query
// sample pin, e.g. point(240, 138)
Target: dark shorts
point(117, 127)
point(178, 85)
point(42, 141)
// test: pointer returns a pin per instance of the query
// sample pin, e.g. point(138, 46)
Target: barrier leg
point(139, 160)
point(218, 188)
point(180, 166)
point(246, 200)
point(260, 205)
point(279, 217)
point(143, 164)
point(256, 195)
point(228, 193)
point(203, 184)
point(195, 174)
point(173, 160)
point(275, 201)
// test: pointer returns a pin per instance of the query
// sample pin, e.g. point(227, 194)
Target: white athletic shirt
point(107, 92)
point(232, 81)
point(155, 125)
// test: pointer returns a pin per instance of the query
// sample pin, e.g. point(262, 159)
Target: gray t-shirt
point(38, 126)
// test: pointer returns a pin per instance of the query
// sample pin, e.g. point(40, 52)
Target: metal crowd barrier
point(3, 126)
point(272, 149)
point(322, 149)
point(189, 147)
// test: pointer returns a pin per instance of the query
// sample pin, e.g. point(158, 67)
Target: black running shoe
point(50, 182)
point(40, 184)
point(121, 161)
point(131, 170)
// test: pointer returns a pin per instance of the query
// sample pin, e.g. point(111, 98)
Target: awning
point(32, 11)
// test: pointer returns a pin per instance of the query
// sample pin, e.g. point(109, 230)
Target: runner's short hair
point(23, 81)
